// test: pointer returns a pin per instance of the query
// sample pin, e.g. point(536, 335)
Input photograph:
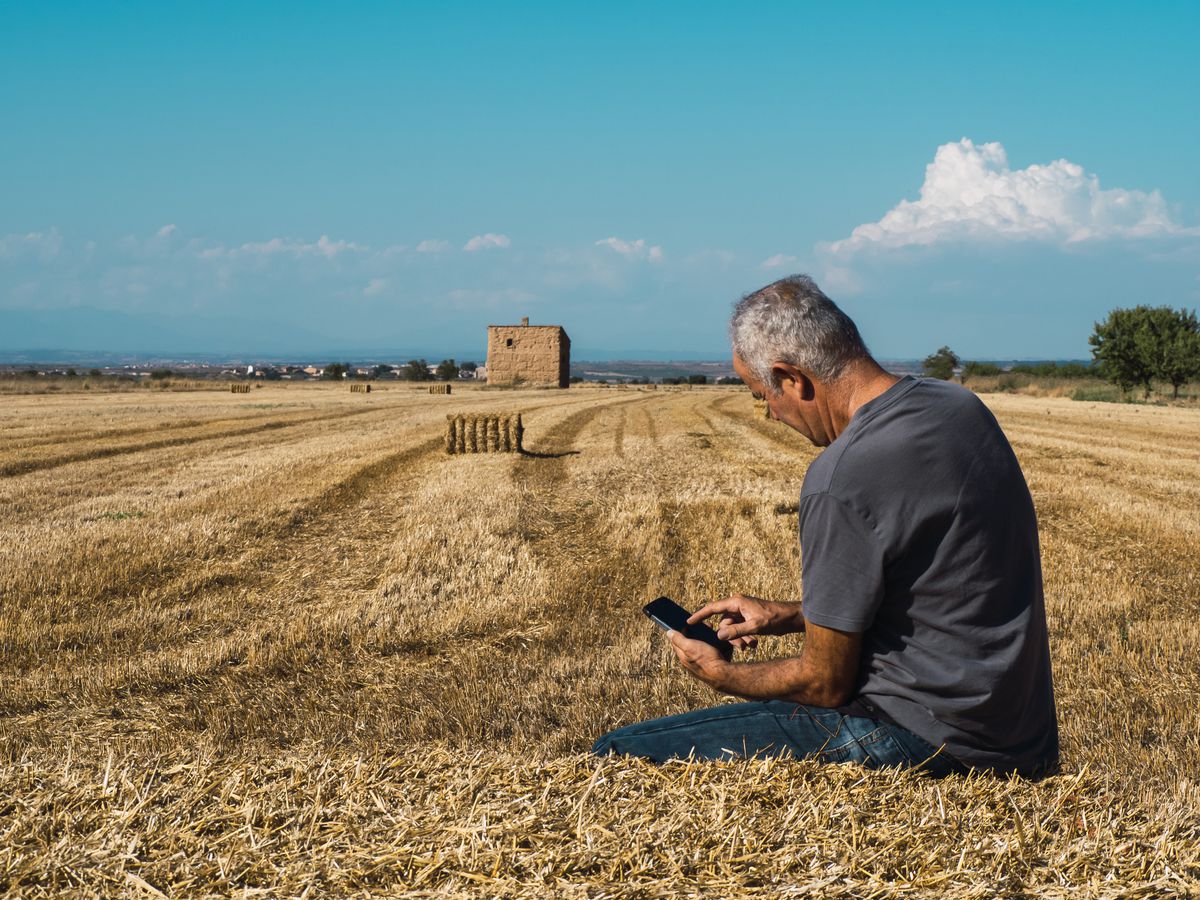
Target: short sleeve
point(842, 564)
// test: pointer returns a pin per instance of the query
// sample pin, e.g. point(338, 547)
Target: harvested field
point(285, 642)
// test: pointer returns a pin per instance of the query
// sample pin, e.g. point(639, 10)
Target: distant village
point(521, 354)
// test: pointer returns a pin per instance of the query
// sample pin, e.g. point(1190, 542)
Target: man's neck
point(860, 383)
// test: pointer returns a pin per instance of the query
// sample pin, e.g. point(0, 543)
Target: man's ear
point(788, 378)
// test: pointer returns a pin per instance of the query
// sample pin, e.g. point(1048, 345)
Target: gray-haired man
point(922, 601)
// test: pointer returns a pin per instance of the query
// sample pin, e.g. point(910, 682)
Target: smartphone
point(670, 616)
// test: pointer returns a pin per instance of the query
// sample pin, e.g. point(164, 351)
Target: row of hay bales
point(439, 389)
point(239, 388)
point(484, 433)
point(360, 389)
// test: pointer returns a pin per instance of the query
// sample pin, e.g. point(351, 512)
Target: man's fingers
point(717, 606)
point(727, 632)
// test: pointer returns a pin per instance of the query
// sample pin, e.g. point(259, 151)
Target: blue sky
point(378, 176)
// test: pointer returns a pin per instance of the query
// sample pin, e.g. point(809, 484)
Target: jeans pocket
point(883, 750)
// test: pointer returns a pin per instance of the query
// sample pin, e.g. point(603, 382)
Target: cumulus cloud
point(633, 249)
point(375, 287)
point(166, 231)
point(971, 194)
point(486, 241)
point(432, 246)
point(778, 261)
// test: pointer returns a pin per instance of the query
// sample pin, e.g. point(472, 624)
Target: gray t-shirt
point(917, 529)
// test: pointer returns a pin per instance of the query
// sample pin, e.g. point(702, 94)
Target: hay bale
point(239, 388)
point(439, 389)
point(484, 433)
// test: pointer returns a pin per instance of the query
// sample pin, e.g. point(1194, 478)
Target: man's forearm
point(779, 679)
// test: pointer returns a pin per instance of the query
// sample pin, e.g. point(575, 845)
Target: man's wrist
point(793, 616)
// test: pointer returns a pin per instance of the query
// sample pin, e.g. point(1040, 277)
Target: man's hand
point(742, 617)
point(701, 659)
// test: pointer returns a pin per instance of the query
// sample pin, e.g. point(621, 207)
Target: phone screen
point(670, 616)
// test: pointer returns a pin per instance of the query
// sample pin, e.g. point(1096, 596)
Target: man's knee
point(621, 741)
point(603, 745)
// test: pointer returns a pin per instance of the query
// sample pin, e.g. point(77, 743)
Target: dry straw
point(484, 433)
point(439, 389)
point(360, 389)
point(434, 822)
point(239, 388)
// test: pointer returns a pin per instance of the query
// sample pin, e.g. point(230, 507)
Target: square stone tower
point(529, 354)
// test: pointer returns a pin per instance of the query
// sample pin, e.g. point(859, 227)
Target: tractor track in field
point(774, 433)
point(312, 535)
point(25, 466)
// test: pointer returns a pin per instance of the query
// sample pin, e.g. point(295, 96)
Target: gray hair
point(792, 321)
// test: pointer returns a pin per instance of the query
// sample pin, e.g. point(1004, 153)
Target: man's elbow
point(832, 695)
point(826, 694)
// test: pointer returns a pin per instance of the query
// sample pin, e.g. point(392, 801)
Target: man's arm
point(822, 675)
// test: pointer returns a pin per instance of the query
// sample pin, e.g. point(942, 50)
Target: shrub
point(972, 369)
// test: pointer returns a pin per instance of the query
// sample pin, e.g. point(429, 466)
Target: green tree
point(941, 364)
point(416, 370)
point(336, 371)
point(1133, 347)
point(697, 379)
point(1173, 341)
point(468, 368)
point(381, 371)
point(447, 370)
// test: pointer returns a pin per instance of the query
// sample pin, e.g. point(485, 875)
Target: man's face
point(790, 406)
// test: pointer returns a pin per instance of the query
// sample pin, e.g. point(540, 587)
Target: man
point(925, 632)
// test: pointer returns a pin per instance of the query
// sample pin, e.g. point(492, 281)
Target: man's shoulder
point(881, 444)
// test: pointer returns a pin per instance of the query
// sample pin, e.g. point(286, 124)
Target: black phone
point(670, 616)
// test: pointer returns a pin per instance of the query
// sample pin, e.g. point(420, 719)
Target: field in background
point(283, 641)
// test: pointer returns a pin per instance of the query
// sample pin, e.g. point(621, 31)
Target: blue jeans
point(777, 728)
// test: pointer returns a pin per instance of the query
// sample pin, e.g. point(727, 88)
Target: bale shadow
point(534, 454)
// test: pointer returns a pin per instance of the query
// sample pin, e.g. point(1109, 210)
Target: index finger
point(717, 606)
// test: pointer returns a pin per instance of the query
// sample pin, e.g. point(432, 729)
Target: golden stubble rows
point(204, 603)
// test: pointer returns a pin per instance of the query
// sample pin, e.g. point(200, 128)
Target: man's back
point(918, 530)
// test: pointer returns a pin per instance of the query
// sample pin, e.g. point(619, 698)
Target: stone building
point(528, 354)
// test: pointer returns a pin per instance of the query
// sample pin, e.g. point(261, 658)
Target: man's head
point(792, 344)
point(792, 321)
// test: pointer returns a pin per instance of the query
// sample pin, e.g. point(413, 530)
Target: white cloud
point(432, 246)
point(375, 287)
point(485, 241)
point(44, 245)
point(166, 231)
point(633, 249)
point(778, 261)
point(323, 247)
point(971, 194)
